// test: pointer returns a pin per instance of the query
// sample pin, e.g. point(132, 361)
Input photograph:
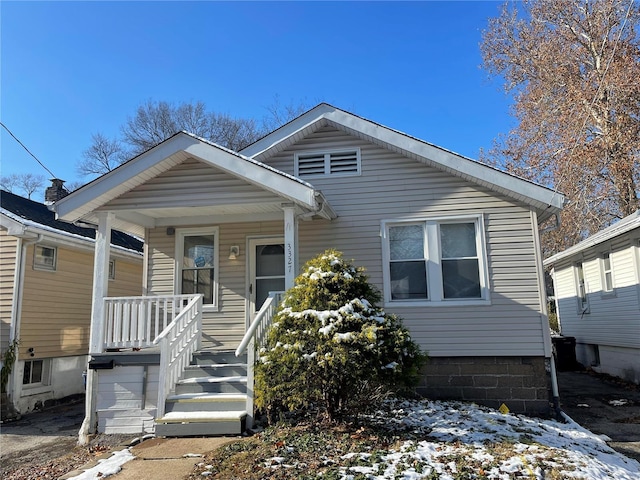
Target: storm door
point(266, 270)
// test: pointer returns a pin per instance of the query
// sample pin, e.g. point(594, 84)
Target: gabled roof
point(171, 152)
point(34, 216)
point(545, 201)
point(625, 225)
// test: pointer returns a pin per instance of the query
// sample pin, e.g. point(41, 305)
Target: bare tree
point(102, 156)
point(24, 183)
point(156, 121)
point(573, 69)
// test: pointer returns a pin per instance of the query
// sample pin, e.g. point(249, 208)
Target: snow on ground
point(106, 467)
point(443, 438)
point(455, 430)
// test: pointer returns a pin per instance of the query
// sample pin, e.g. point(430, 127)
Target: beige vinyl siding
point(193, 183)
point(56, 305)
point(613, 318)
point(8, 255)
point(393, 187)
point(224, 328)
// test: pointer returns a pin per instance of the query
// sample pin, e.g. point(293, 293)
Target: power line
point(28, 151)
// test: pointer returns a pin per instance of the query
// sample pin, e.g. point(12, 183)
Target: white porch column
point(290, 245)
point(100, 280)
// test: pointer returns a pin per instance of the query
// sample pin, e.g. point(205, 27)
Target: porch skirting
point(521, 383)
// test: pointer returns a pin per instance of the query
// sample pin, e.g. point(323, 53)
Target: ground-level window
point(36, 372)
point(435, 261)
point(197, 263)
point(45, 257)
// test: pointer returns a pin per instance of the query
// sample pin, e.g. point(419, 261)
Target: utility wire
point(29, 152)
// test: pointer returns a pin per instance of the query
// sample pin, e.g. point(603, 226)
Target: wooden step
point(232, 384)
point(212, 402)
point(186, 424)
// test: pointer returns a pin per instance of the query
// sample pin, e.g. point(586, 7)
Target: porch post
point(100, 280)
point(290, 245)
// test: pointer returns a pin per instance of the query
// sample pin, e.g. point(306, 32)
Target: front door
point(266, 271)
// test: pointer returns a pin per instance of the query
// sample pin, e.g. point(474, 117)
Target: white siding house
point(452, 244)
point(597, 291)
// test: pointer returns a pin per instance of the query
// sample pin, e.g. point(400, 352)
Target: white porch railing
point(253, 340)
point(134, 322)
point(178, 341)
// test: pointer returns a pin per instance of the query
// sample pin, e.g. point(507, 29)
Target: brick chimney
point(55, 192)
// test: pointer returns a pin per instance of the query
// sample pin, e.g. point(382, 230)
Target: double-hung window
point(435, 261)
point(607, 273)
point(197, 263)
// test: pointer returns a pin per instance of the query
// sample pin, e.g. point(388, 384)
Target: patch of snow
point(107, 466)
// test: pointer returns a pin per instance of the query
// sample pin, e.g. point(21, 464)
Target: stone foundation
point(521, 383)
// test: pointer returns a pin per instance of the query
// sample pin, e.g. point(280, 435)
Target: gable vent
point(343, 162)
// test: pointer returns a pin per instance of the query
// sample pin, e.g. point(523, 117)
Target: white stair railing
point(253, 340)
point(134, 322)
point(178, 341)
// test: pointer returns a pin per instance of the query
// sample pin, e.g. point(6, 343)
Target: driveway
point(49, 433)
point(604, 405)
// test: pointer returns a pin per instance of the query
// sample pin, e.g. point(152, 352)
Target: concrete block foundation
point(521, 383)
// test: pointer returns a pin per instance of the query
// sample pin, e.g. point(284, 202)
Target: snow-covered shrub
point(330, 346)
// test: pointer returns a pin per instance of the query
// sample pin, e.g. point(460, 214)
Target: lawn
point(422, 440)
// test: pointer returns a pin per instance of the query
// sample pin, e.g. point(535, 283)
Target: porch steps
point(210, 399)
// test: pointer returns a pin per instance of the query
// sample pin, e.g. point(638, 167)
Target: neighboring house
point(46, 272)
point(597, 294)
point(452, 244)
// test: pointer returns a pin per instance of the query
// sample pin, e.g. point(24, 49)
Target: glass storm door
point(266, 271)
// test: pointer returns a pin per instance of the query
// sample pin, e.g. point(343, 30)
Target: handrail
point(250, 342)
point(268, 303)
point(178, 341)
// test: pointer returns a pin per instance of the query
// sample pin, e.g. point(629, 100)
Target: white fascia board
point(29, 229)
point(255, 173)
point(451, 161)
point(623, 226)
point(75, 205)
point(287, 130)
point(456, 164)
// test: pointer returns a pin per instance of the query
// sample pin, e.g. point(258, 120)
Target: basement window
point(323, 163)
point(36, 373)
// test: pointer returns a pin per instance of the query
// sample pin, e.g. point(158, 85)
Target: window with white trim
point(197, 263)
point(607, 273)
point(435, 261)
point(45, 258)
point(581, 289)
point(329, 162)
point(36, 373)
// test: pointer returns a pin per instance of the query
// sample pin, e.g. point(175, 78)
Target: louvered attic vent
point(342, 162)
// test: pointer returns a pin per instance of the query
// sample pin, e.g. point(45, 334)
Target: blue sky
point(71, 69)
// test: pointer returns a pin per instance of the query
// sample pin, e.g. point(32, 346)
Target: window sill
point(210, 308)
point(445, 304)
point(35, 389)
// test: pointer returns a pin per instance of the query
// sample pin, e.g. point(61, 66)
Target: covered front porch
point(220, 233)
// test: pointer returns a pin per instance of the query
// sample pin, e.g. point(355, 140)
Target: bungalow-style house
point(46, 272)
point(597, 294)
point(451, 243)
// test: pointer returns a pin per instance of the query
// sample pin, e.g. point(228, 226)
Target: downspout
point(555, 391)
point(18, 288)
